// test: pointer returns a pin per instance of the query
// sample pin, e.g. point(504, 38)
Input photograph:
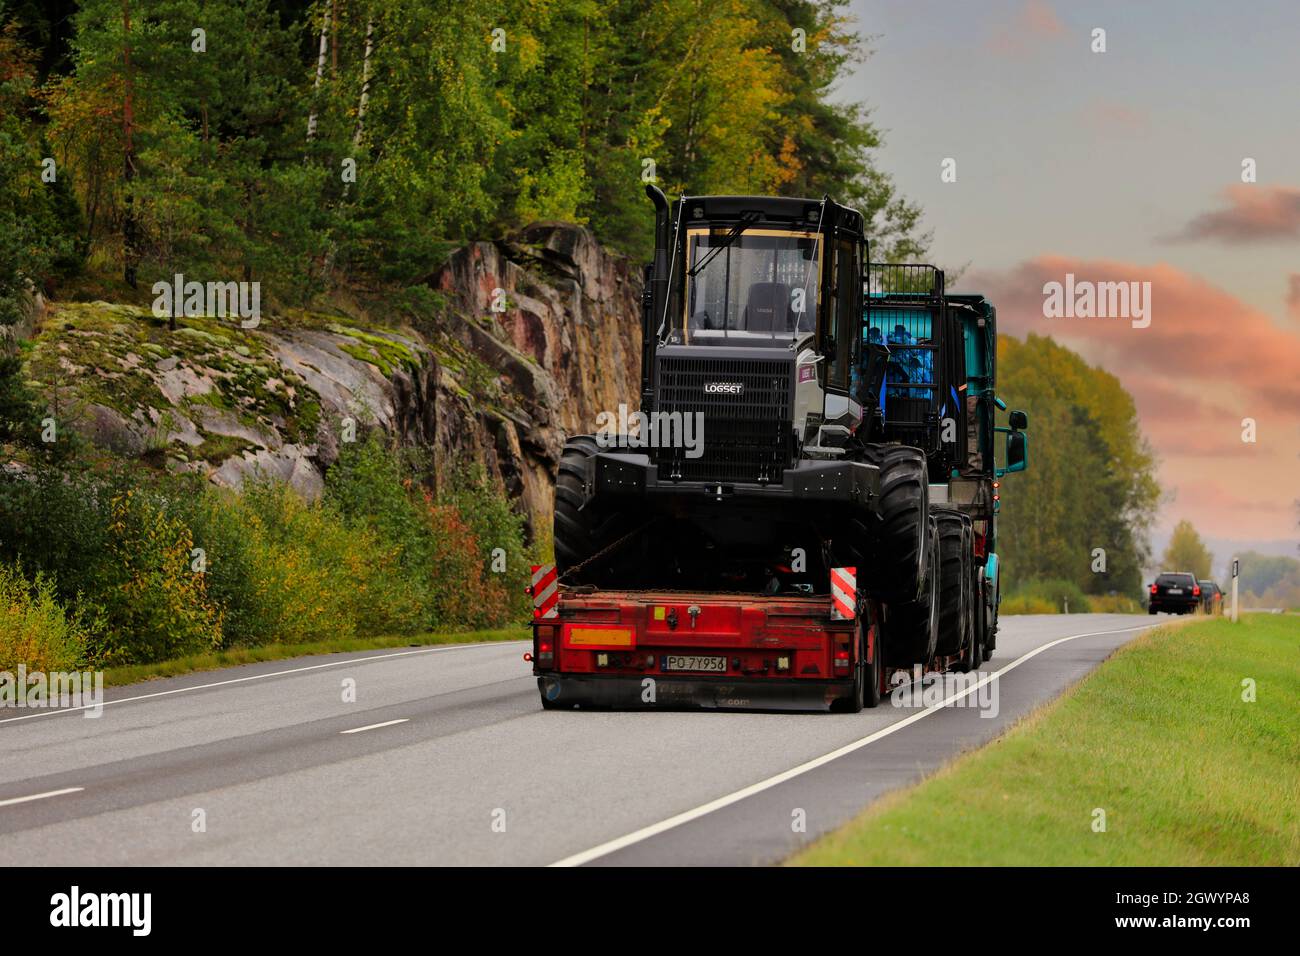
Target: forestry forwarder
point(838, 520)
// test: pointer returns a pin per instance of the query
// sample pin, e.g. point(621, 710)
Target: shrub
point(318, 577)
point(1052, 592)
point(1114, 604)
point(57, 522)
point(34, 630)
point(110, 551)
point(459, 592)
point(157, 604)
point(230, 559)
point(444, 546)
point(1022, 604)
point(371, 491)
point(172, 566)
point(495, 524)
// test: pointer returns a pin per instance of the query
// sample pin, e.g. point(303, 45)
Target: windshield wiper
point(746, 219)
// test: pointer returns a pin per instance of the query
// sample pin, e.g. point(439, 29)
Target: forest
point(311, 146)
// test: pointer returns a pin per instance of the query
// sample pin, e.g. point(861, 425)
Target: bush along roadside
point(123, 566)
point(1056, 596)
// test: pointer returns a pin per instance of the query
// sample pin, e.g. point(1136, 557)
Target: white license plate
point(1175, 590)
point(695, 662)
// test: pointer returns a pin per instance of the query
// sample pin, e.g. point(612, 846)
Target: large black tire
point(911, 627)
point(899, 539)
point(953, 575)
point(581, 528)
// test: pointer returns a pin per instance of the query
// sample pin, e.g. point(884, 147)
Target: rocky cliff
point(530, 338)
point(556, 318)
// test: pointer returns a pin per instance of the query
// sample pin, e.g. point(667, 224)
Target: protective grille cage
point(905, 313)
point(904, 279)
point(747, 432)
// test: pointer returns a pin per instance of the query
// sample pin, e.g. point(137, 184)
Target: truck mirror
point(1017, 452)
point(1019, 420)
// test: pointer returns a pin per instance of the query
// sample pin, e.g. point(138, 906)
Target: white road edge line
point(386, 723)
point(586, 856)
point(40, 796)
point(241, 680)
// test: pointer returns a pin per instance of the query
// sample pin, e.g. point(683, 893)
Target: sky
point(1123, 165)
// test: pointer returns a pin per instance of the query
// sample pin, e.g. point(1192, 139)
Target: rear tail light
point(1153, 589)
point(1196, 591)
point(545, 644)
point(840, 660)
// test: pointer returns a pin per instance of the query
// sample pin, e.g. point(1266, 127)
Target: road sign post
point(1236, 567)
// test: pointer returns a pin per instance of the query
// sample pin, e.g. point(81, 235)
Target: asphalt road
point(465, 767)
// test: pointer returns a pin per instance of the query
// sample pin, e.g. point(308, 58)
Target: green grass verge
point(133, 673)
point(1159, 737)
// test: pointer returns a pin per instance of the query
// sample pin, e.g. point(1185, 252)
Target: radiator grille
point(747, 435)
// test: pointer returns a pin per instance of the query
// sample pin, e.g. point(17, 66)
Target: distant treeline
point(1083, 510)
point(1269, 580)
point(308, 145)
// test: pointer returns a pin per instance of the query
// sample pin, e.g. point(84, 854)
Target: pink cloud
point(1034, 24)
point(1166, 411)
point(1199, 335)
point(1206, 361)
point(1254, 214)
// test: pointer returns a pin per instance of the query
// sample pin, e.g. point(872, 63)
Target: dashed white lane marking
point(386, 723)
point(242, 680)
point(586, 856)
point(40, 796)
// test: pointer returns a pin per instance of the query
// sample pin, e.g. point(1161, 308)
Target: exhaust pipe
point(661, 229)
point(657, 288)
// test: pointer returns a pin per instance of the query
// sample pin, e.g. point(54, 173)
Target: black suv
point(1175, 592)
point(1211, 597)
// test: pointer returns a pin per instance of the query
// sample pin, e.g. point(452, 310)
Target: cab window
point(845, 306)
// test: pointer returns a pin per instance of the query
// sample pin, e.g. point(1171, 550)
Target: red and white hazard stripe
point(844, 593)
point(545, 590)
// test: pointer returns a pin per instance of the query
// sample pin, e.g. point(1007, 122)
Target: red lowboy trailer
point(664, 649)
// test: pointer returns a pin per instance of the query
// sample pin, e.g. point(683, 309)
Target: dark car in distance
point(1175, 592)
point(1211, 597)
